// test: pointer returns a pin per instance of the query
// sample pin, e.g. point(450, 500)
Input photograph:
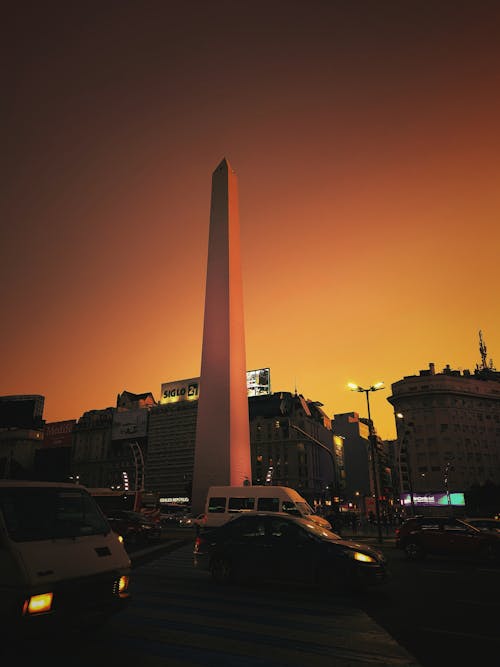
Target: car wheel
point(221, 570)
point(414, 551)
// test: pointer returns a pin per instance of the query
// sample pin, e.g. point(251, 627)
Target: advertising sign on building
point(259, 382)
point(434, 499)
point(129, 424)
point(182, 390)
point(58, 434)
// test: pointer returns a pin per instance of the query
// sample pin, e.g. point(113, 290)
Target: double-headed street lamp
point(373, 447)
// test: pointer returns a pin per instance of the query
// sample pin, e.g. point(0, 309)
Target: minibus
point(224, 502)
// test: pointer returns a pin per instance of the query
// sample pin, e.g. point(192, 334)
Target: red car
point(422, 536)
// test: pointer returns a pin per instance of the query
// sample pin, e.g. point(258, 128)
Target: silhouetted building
point(449, 436)
point(53, 456)
point(21, 432)
point(22, 411)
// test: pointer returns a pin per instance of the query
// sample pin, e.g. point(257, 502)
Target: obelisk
point(222, 447)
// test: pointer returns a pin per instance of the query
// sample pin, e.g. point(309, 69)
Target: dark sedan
point(279, 547)
point(134, 527)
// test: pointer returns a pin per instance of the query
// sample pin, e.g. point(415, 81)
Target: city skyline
point(366, 145)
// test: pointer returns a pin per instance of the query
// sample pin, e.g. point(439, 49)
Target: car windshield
point(41, 513)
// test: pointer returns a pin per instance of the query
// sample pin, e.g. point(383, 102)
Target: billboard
point(433, 499)
point(129, 424)
point(259, 382)
point(182, 390)
point(58, 434)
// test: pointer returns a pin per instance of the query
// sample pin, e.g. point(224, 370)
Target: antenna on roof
point(483, 352)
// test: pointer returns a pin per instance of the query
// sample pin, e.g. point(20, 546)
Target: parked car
point(134, 527)
point(284, 548)
point(186, 521)
point(169, 520)
point(484, 523)
point(446, 536)
point(171, 514)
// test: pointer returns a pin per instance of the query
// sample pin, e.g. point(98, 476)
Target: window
point(240, 504)
point(216, 505)
point(455, 527)
point(431, 525)
point(40, 513)
point(268, 504)
point(284, 530)
point(250, 528)
point(289, 507)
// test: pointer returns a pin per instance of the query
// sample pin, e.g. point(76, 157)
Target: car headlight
point(364, 558)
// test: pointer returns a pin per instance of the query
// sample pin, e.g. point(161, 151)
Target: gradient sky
point(365, 137)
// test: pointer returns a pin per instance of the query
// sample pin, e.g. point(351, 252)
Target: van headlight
point(38, 604)
point(121, 586)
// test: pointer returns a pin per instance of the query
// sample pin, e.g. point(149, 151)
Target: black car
point(279, 547)
point(134, 527)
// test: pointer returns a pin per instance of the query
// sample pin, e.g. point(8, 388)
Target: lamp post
point(321, 445)
point(372, 438)
point(446, 473)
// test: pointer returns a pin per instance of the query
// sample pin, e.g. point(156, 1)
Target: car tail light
point(198, 544)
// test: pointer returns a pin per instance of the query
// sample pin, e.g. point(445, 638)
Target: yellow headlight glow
point(37, 604)
point(123, 584)
point(365, 558)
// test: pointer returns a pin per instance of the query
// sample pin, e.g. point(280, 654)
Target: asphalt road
point(444, 612)
point(179, 617)
point(430, 613)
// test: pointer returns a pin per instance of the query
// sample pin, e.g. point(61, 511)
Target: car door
point(291, 553)
point(461, 540)
point(245, 546)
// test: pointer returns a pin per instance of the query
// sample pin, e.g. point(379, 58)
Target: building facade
point(448, 430)
point(291, 444)
point(21, 434)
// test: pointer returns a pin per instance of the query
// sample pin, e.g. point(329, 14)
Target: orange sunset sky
point(365, 137)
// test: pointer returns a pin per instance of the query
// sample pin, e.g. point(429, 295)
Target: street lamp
point(372, 438)
point(321, 445)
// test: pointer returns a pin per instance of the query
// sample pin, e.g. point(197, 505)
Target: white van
point(224, 502)
point(59, 558)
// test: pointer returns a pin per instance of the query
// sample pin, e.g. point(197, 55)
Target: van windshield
point(42, 513)
point(296, 508)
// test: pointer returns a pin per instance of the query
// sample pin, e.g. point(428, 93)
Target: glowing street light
point(372, 437)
